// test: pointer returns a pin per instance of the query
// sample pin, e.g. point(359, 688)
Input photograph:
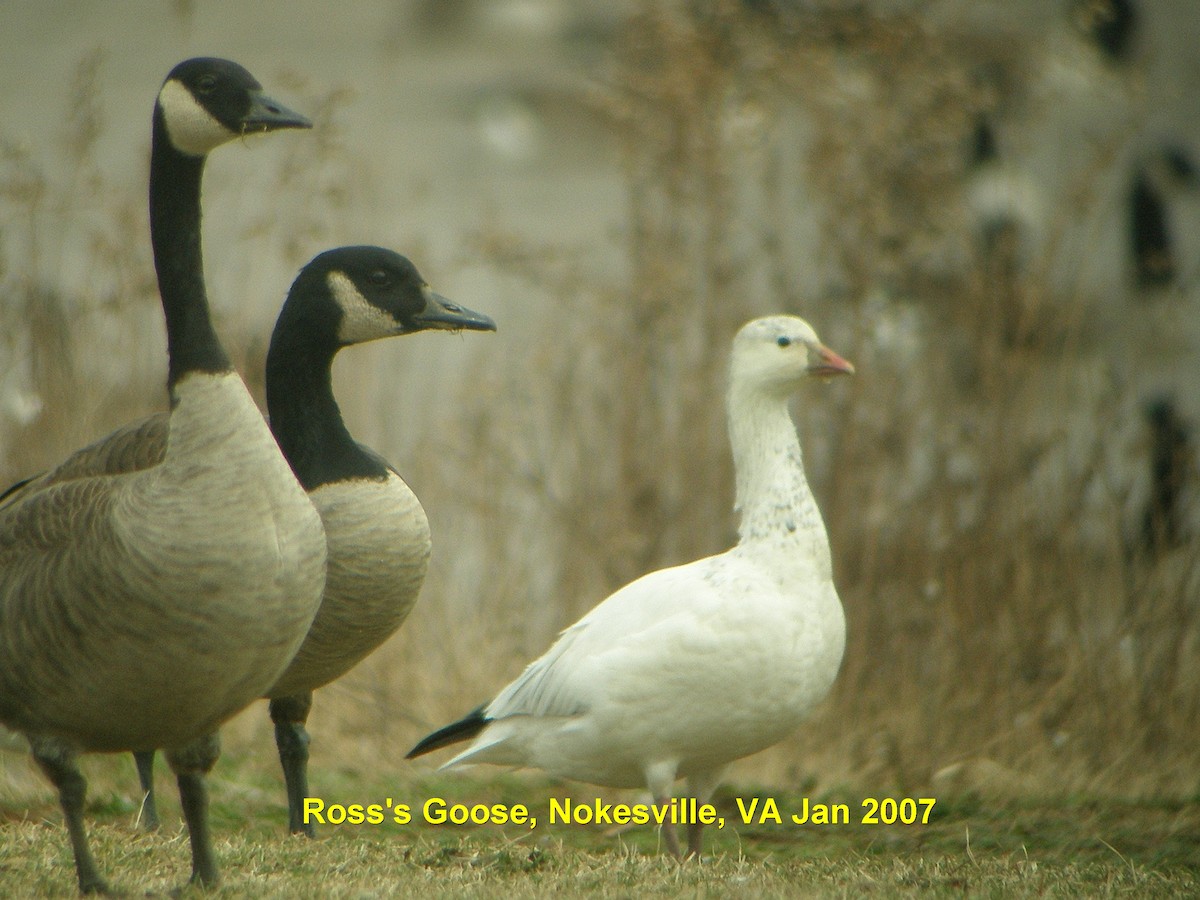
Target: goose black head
point(206, 102)
point(355, 294)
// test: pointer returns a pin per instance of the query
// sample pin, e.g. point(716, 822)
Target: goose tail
point(463, 730)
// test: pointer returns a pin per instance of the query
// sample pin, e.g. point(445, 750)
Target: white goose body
point(689, 668)
point(379, 545)
point(684, 669)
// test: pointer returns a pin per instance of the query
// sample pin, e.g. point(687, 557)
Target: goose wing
point(38, 693)
point(650, 626)
point(138, 445)
point(48, 522)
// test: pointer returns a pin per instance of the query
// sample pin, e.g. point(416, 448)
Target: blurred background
point(992, 208)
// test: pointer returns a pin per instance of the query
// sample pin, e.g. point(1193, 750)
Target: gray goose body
point(376, 530)
point(379, 544)
point(118, 599)
point(140, 607)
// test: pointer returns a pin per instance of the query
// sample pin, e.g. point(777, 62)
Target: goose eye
point(206, 84)
point(378, 278)
point(784, 341)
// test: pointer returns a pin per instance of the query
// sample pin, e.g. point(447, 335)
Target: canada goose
point(686, 669)
point(142, 606)
point(375, 528)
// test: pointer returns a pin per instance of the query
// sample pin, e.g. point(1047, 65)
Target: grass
point(1064, 847)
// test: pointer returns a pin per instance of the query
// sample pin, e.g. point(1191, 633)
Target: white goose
point(142, 606)
point(686, 669)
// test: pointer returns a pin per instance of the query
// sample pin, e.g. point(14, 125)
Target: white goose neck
point(774, 499)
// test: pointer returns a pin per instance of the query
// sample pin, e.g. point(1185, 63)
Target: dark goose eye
point(378, 278)
point(784, 341)
point(206, 84)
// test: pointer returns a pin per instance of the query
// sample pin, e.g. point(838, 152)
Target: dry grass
point(68, 283)
point(980, 477)
point(969, 848)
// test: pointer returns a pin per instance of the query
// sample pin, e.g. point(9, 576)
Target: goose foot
point(191, 764)
point(289, 715)
point(144, 759)
point(59, 763)
point(670, 836)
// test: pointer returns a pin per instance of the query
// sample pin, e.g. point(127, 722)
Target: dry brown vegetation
point(979, 852)
point(972, 476)
point(977, 477)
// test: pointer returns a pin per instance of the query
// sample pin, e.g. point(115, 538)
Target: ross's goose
point(686, 669)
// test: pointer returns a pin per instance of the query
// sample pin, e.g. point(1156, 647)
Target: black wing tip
point(13, 488)
point(462, 730)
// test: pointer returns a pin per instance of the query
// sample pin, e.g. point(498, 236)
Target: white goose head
point(774, 355)
point(206, 102)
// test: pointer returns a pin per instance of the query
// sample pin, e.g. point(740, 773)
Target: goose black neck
point(304, 415)
point(175, 177)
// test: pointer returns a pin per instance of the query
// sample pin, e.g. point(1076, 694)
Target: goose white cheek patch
point(191, 128)
point(361, 321)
